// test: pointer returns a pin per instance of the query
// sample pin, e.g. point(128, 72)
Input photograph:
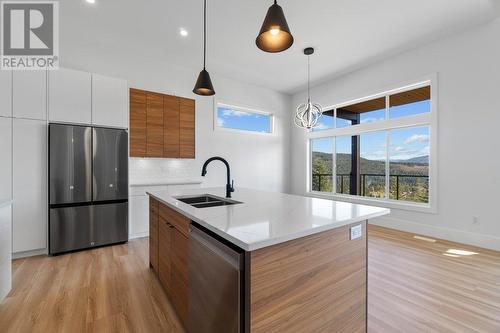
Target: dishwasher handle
point(223, 251)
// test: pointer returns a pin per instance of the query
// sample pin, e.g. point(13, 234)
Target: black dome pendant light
point(274, 35)
point(204, 85)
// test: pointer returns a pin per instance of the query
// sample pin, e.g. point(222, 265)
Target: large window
point(322, 164)
point(238, 118)
point(409, 164)
point(378, 148)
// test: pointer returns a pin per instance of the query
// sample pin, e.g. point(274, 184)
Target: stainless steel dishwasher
point(216, 283)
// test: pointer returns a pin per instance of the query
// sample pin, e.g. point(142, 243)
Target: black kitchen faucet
point(229, 185)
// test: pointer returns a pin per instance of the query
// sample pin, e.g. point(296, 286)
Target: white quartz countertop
point(156, 182)
point(267, 218)
point(5, 202)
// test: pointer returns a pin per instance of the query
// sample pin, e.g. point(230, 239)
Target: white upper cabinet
point(6, 160)
point(70, 96)
point(5, 93)
point(29, 94)
point(29, 213)
point(109, 101)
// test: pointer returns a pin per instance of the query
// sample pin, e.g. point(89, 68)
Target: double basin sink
point(206, 200)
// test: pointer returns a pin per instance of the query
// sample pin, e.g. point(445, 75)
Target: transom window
point(243, 119)
point(377, 149)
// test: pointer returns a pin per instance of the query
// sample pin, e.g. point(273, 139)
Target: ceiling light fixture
point(308, 114)
point(183, 32)
point(274, 35)
point(204, 85)
point(91, 1)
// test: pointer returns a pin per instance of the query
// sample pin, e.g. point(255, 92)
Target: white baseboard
point(454, 235)
point(25, 254)
point(138, 235)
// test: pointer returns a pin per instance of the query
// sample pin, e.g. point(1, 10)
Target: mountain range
point(413, 166)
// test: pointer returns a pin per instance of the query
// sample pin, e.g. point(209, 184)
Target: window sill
point(408, 206)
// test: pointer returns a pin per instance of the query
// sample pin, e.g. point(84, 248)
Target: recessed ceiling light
point(183, 32)
point(90, 1)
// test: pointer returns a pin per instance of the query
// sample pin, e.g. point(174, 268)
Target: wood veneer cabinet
point(161, 125)
point(165, 231)
point(180, 274)
point(171, 126)
point(137, 123)
point(172, 253)
point(154, 125)
point(153, 234)
point(187, 135)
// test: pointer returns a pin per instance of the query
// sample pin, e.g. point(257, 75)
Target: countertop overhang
point(267, 218)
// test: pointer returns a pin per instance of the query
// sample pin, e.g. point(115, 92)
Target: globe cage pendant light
point(204, 85)
point(274, 35)
point(308, 114)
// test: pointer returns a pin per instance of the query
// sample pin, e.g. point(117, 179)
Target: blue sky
point(236, 119)
point(405, 143)
point(326, 122)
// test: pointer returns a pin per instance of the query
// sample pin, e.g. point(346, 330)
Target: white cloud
point(235, 113)
point(417, 138)
point(406, 154)
point(398, 148)
point(371, 120)
point(425, 150)
point(220, 122)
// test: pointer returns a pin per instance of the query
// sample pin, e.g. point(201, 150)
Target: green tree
point(320, 181)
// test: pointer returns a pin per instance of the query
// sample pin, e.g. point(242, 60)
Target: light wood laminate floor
point(415, 285)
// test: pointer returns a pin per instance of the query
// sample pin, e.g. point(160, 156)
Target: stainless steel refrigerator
point(88, 187)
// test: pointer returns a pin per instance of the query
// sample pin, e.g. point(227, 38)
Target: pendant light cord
point(308, 78)
point(204, 32)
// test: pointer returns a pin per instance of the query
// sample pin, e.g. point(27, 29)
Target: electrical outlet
point(356, 231)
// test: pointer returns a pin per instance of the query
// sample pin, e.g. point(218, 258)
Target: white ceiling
point(347, 34)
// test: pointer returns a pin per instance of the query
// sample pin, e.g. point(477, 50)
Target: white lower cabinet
point(5, 250)
point(5, 279)
point(139, 206)
point(6, 160)
point(29, 215)
point(138, 216)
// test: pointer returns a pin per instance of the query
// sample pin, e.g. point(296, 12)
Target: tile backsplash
point(162, 168)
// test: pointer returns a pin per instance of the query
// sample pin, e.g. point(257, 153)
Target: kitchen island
point(305, 259)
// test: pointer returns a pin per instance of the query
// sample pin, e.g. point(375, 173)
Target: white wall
point(257, 161)
point(469, 115)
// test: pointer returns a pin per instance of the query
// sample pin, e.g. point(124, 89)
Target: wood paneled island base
point(316, 283)
point(300, 271)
